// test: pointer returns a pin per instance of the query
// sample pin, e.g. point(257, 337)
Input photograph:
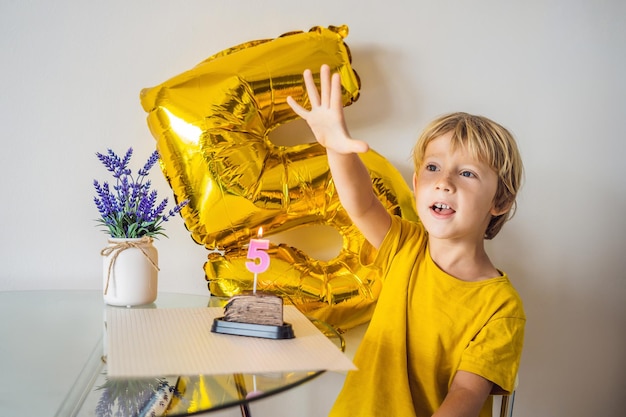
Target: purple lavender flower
point(158, 211)
point(130, 209)
point(151, 161)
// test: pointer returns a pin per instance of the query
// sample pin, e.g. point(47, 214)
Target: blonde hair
point(489, 142)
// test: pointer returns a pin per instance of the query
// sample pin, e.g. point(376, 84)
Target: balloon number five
point(212, 124)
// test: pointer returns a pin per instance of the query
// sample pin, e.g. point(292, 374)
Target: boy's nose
point(444, 183)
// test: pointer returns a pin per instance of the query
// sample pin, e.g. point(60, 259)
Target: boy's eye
point(431, 167)
point(467, 174)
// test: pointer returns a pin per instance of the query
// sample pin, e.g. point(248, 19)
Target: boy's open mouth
point(442, 208)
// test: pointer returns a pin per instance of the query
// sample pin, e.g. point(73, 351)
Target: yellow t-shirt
point(426, 326)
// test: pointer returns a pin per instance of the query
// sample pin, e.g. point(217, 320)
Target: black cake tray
point(251, 329)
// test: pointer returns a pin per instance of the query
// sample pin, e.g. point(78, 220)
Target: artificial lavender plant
point(130, 209)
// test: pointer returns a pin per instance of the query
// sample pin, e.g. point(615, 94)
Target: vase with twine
point(131, 216)
point(130, 271)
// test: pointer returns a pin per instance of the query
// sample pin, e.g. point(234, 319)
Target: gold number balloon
point(212, 124)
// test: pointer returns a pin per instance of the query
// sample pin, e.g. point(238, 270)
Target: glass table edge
point(84, 383)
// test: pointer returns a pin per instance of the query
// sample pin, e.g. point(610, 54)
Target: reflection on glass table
point(94, 394)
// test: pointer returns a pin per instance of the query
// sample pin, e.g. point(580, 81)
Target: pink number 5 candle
point(260, 258)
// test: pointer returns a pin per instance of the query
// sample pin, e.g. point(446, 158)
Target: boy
point(448, 327)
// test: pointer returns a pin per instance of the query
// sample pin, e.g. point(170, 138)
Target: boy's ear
point(414, 182)
point(502, 208)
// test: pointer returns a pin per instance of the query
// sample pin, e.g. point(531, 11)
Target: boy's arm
point(466, 396)
point(351, 178)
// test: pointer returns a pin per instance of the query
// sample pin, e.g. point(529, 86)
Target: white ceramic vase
point(130, 272)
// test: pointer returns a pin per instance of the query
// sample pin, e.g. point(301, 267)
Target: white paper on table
point(179, 341)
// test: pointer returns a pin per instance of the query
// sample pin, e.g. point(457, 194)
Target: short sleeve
point(400, 232)
point(495, 353)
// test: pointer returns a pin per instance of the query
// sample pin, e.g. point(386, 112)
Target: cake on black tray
point(257, 315)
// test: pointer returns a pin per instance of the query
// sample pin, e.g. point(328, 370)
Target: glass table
point(52, 350)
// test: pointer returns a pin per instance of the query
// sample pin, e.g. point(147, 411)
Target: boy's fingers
point(325, 85)
point(296, 107)
point(337, 100)
point(311, 88)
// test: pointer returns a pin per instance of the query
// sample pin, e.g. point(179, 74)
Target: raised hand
point(326, 118)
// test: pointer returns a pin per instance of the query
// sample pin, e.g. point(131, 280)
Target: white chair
point(506, 405)
point(506, 401)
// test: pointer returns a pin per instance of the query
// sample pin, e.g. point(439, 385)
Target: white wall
point(551, 71)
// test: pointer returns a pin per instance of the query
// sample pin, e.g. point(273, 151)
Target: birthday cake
point(260, 308)
point(254, 314)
